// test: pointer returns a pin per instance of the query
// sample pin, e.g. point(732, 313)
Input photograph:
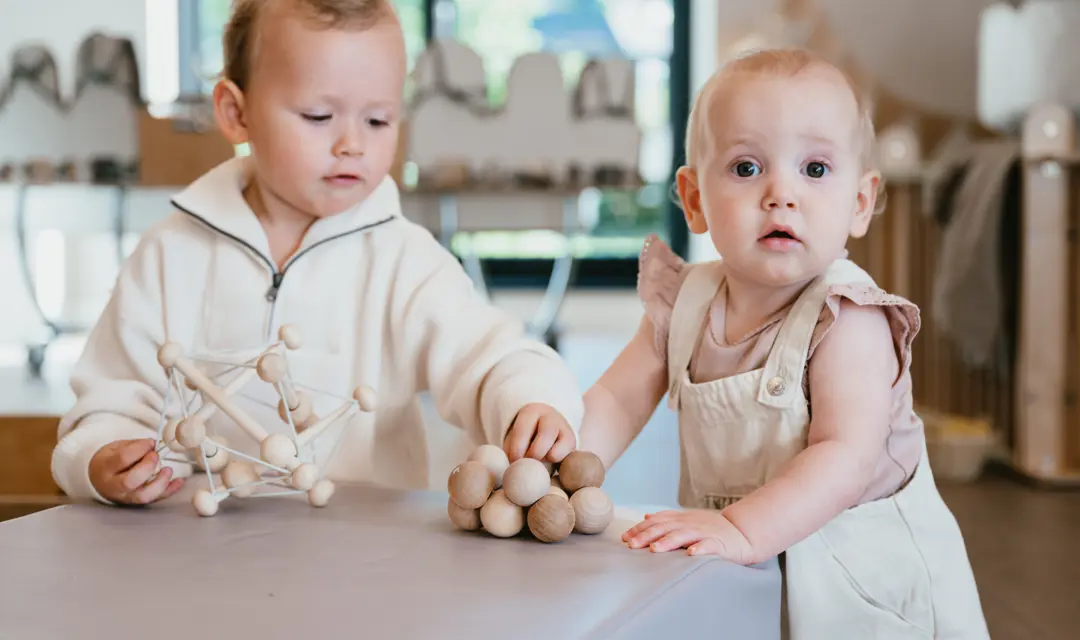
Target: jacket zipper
point(277, 277)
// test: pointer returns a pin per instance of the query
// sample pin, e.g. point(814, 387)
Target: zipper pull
point(271, 293)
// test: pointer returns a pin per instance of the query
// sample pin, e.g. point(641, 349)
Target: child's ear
point(229, 112)
point(865, 204)
point(687, 182)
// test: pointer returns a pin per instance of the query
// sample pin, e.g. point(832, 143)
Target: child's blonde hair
point(779, 62)
point(240, 40)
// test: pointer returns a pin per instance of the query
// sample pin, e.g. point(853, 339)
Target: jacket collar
point(217, 199)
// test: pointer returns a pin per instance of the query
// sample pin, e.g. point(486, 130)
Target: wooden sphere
point(290, 335)
point(593, 510)
point(555, 482)
point(278, 450)
point(205, 503)
point(168, 436)
point(494, 458)
point(301, 412)
point(470, 484)
point(366, 397)
point(271, 367)
point(500, 517)
point(168, 354)
point(462, 518)
point(305, 476)
point(581, 469)
point(319, 495)
point(191, 432)
point(526, 481)
point(238, 476)
point(557, 491)
point(551, 519)
point(216, 457)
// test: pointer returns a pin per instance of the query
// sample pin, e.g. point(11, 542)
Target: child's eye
point(816, 170)
point(378, 124)
point(746, 169)
point(317, 117)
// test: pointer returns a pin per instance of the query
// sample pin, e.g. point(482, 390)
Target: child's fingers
point(139, 474)
point(708, 546)
point(521, 433)
point(564, 445)
point(174, 485)
point(547, 431)
point(128, 455)
point(654, 532)
point(680, 537)
point(152, 490)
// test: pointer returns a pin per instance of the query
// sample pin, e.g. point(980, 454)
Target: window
point(575, 29)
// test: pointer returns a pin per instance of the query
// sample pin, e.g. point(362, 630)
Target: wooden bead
point(290, 335)
point(191, 432)
point(238, 476)
point(168, 354)
point(526, 481)
point(205, 503)
point(305, 476)
point(494, 458)
point(581, 469)
point(278, 450)
point(593, 510)
point(168, 436)
point(301, 412)
point(557, 491)
point(366, 398)
point(551, 519)
point(500, 517)
point(462, 518)
point(271, 367)
point(319, 495)
point(470, 484)
point(216, 457)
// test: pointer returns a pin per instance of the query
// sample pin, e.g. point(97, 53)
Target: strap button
point(776, 386)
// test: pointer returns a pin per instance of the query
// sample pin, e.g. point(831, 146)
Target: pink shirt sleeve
point(661, 273)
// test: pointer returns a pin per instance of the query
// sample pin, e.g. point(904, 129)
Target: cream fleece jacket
point(378, 300)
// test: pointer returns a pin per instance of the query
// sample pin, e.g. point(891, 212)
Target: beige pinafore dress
point(892, 568)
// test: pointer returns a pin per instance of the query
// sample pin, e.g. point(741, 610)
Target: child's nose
point(350, 144)
point(780, 196)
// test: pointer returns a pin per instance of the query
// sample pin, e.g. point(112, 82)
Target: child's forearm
point(606, 430)
point(819, 483)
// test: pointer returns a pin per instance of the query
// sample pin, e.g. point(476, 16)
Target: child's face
point(780, 185)
point(322, 109)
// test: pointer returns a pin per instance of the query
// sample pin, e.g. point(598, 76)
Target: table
point(375, 563)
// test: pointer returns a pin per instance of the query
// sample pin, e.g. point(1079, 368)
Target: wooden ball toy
point(494, 458)
point(217, 459)
point(168, 354)
point(557, 491)
point(168, 436)
point(581, 469)
point(462, 518)
point(366, 398)
point(290, 335)
point(593, 509)
point(206, 503)
point(526, 481)
point(301, 411)
point(500, 517)
point(238, 476)
point(470, 484)
point(190, 432)
point(271, 367)
point(304, 477)
point(551, 519)
point(278, 450)
point(555, 482)
point(319, 495)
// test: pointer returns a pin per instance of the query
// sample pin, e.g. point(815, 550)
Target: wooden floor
point(1023, 544)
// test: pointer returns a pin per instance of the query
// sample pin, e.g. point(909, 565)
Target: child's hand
point(539, 431)
point(123, 472)
point(704, 531)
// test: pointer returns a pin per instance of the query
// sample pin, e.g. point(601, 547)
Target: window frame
point(515, 273)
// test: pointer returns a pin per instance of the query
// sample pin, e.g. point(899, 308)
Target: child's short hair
point(241, 32)
point(780, 62)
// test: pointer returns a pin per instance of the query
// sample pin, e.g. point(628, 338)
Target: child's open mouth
point(779, 239)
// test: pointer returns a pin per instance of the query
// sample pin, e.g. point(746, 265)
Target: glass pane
point(641, 30)
point(213, 14)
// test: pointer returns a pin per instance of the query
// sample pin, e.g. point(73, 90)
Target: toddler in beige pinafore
point(789, 369)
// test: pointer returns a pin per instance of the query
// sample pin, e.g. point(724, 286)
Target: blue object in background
point(577, 25)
